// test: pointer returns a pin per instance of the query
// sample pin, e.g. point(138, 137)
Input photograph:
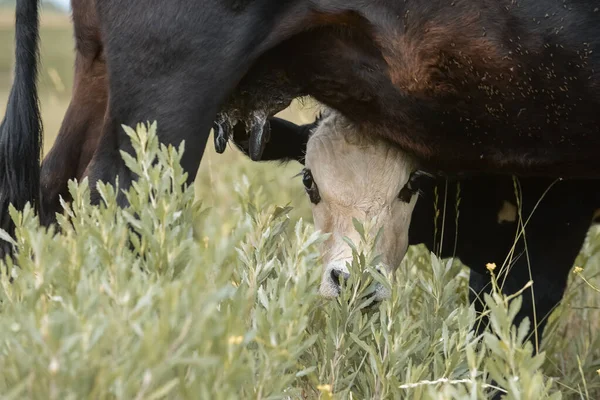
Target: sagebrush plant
point(165, 299)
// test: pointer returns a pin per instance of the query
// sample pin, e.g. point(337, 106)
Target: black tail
point(21, 129)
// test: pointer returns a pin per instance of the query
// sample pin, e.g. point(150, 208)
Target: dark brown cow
point(465, 86)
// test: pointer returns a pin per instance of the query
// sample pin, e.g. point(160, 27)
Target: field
point(233, 311)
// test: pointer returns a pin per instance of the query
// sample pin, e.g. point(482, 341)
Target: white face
point(348, 176)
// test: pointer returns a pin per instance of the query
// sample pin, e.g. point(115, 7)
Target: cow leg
point(176, 63)
point(77, 138)
point(82, 125)
point(176, 121)
point(476, 237)
point(553, 239)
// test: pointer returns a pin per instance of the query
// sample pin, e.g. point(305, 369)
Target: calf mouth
point(335, 280)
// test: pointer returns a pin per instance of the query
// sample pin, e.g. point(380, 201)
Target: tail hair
point(21, 128)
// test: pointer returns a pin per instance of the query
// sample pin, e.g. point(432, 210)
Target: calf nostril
point(336, 274)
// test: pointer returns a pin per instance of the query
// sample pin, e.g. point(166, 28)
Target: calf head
point(348, 175)
point(352, 175)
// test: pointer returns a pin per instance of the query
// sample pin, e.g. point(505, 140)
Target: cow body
point(175, 63)
point(151, 78)
point(533, 228)
point(466, 86)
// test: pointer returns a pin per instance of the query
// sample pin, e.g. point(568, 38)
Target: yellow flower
point(326, 390)
point(577, 270)
point(490, 266)
point(236, 339)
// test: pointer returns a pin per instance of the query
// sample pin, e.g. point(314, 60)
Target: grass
point(232, 312)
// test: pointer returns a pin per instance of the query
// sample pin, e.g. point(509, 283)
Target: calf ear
point(287, 141)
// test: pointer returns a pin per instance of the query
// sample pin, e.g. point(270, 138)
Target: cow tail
point(21, 128)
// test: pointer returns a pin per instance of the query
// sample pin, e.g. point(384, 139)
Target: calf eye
point(411, 187)
point(307, 179)
point(406, 193)
point(310, 186)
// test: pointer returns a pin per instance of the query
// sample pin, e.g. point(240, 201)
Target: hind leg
point(76, 141)
point(82, 125)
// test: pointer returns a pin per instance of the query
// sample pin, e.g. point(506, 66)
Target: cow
point(533, 227)
point(466, 86)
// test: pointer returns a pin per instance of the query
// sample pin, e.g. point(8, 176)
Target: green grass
point(232, 311)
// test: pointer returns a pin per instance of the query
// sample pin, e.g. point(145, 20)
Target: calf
point(486, 227)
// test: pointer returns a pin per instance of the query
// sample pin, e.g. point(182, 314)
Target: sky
point(65, 4)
